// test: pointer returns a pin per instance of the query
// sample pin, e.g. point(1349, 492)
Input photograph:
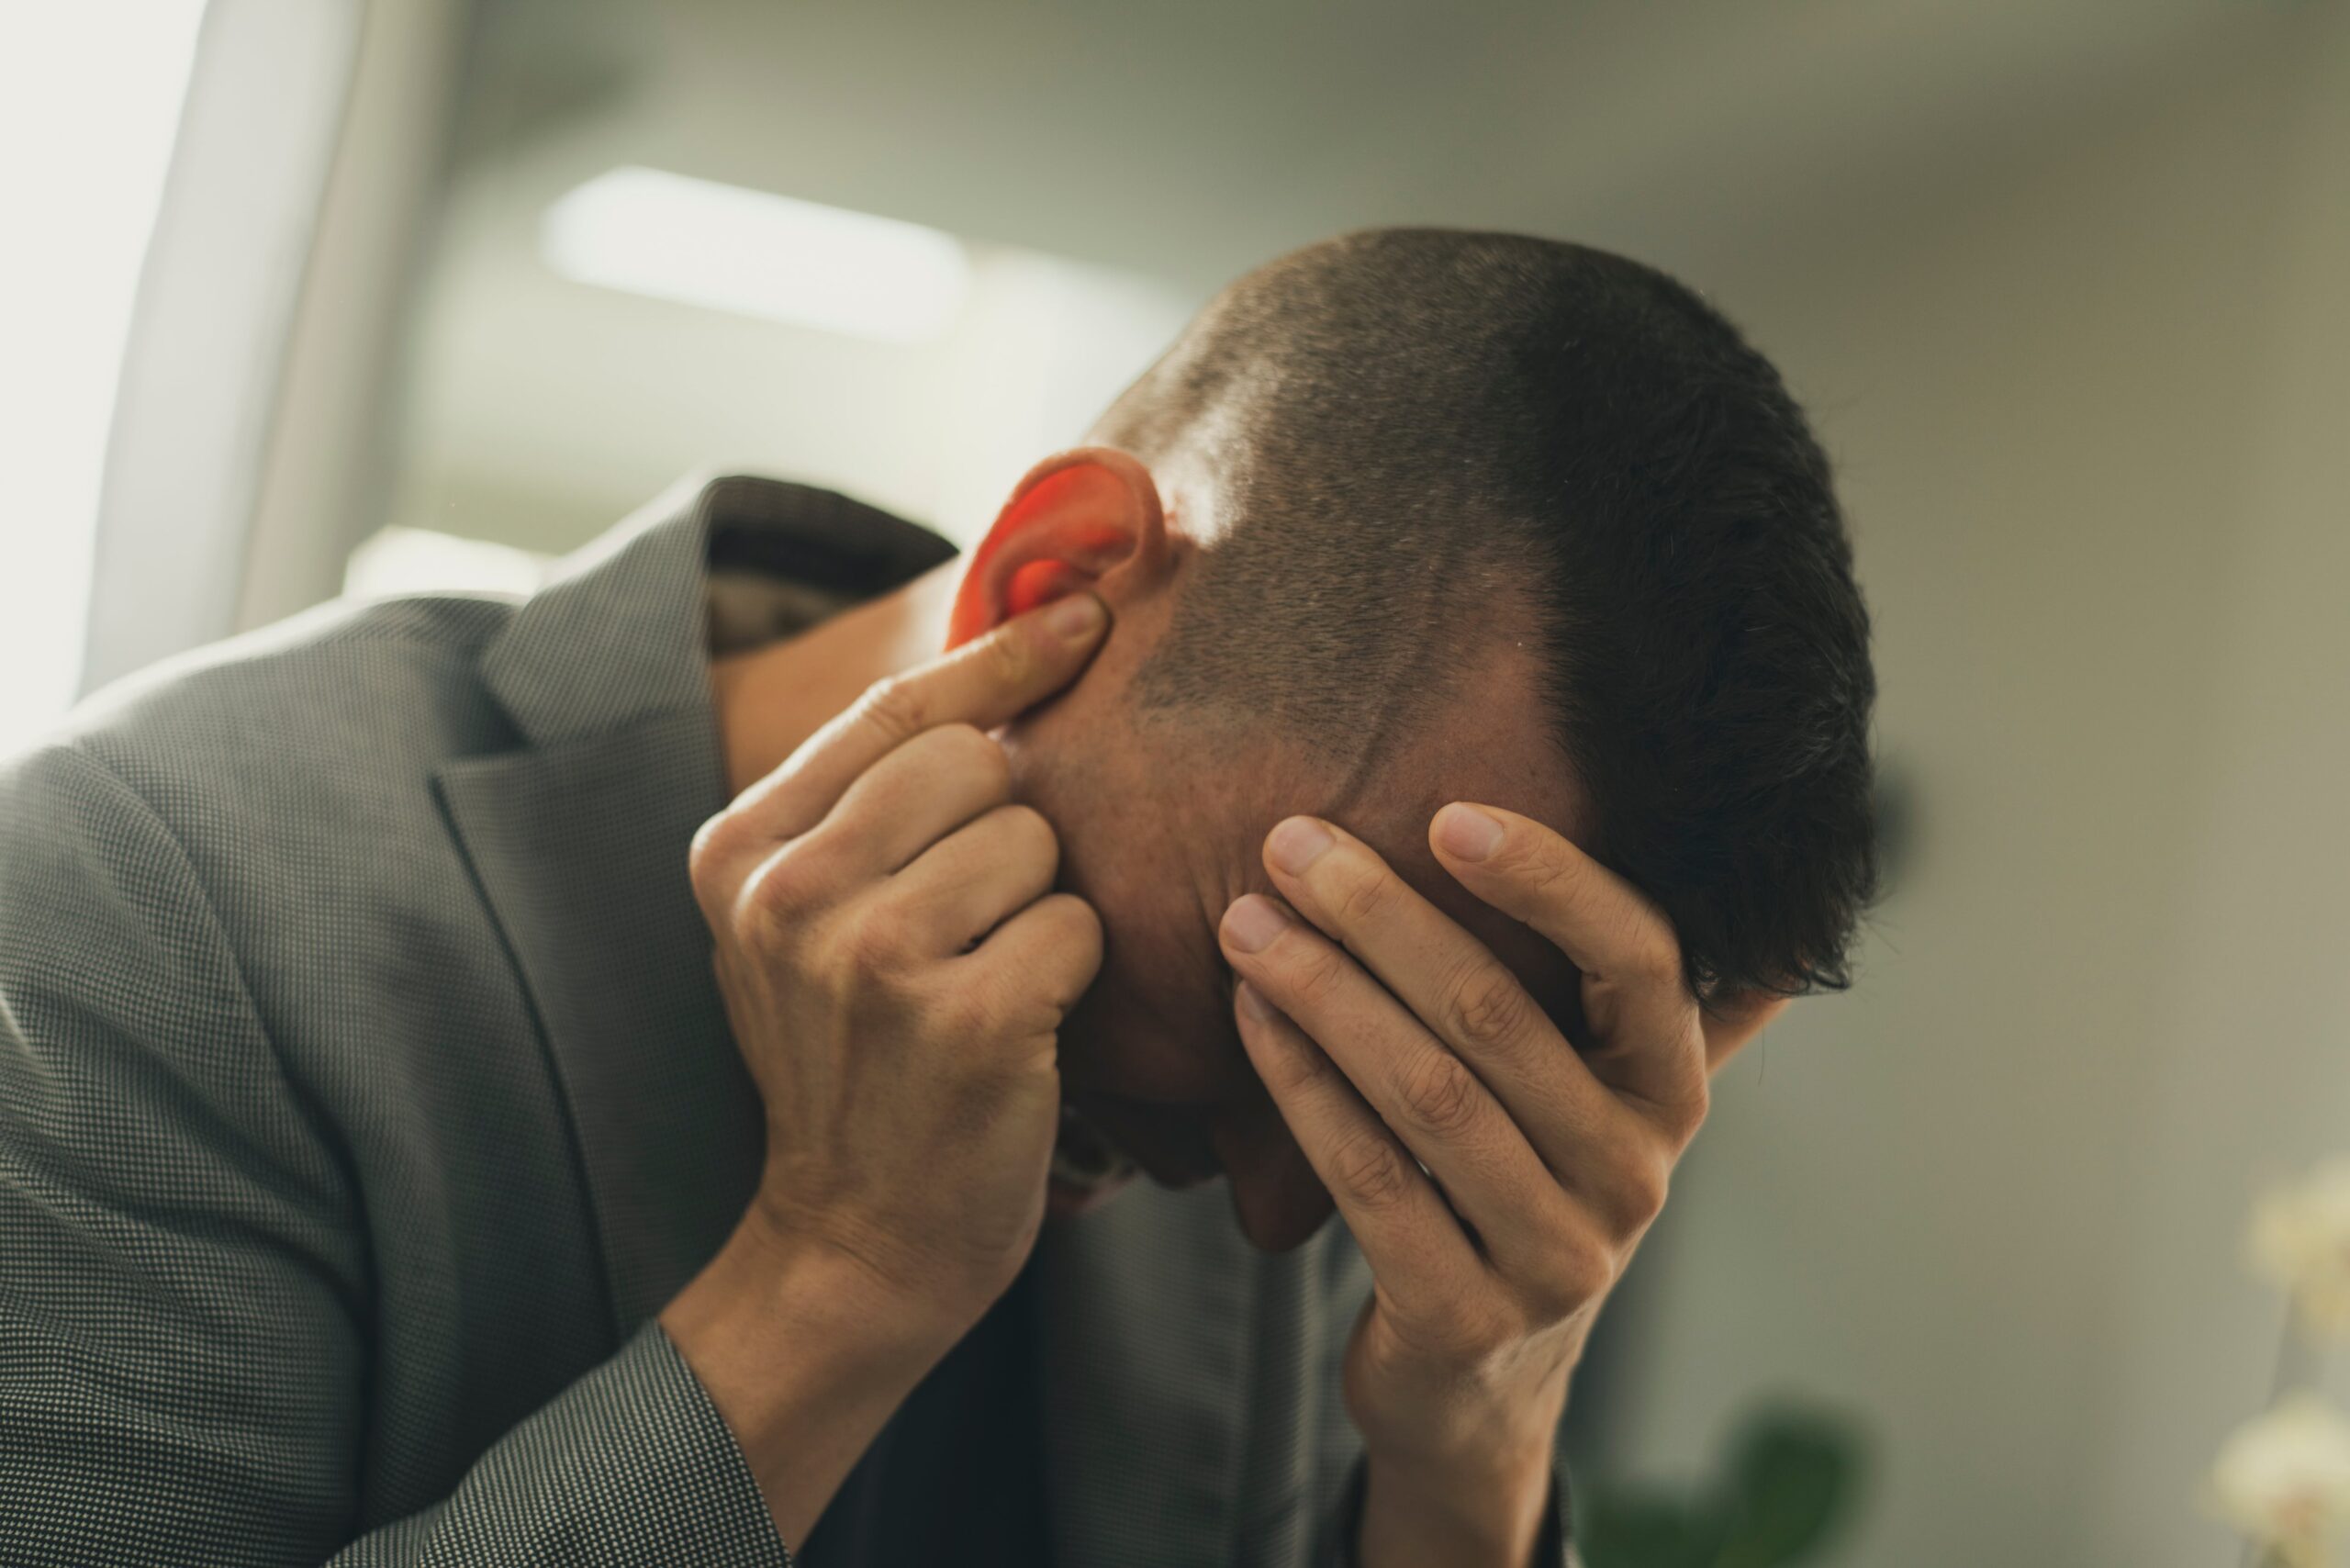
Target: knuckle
point(1630, 1177)
point(871, 944)
point(896, 706)
point(1652, 954)
point(972, 1012)
point(780, 892)
point(1584, 1272)
point(1551, 1295)
point(712, 852)
point(1295, 1068)
point(1317, 974)
point(1054, 952)
point(1490, 1011)
point(1365, 897)
point(1566, 1282)
point(1641, 1195)
point(1539, 861)
point(1008, 656)
point(1369, 1168)
point(1440, 1093)
point(1689, 1112)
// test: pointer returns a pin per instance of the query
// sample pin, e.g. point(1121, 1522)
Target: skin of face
point(1162, 818)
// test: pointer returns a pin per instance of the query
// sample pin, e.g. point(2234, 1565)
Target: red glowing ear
point(1071, 521)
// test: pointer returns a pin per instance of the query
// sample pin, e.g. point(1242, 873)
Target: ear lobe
point(1072, 520)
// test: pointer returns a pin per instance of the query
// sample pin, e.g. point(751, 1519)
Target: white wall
point(202, 385)
point(325, 477)
point(107, 79)
point(2091, 404)
point(543, 410)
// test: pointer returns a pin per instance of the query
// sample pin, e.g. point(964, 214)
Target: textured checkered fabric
point(364, 1093)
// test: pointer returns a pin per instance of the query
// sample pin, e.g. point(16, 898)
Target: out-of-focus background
point(302, 297)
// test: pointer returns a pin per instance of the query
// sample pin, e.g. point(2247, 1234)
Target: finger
point(1731, 1022)
point(974, 878)
point(1646, 1043)
point(1427, 1096)
point(984, 683)
point(1409, 1236)
point(918, 794)
point(906, 803)
point(1453, 982)
point(1034, 966)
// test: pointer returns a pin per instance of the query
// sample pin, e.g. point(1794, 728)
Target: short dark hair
point(1405, 424)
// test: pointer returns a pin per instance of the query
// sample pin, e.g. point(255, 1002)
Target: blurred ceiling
point(1181, 143)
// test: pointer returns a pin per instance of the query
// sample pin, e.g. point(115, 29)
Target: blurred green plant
point(1790, 1481)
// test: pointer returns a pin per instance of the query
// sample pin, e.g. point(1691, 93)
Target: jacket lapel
point(579, 835)
point(580, 848)
point(579, 838)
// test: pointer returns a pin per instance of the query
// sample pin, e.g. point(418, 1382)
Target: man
point(586, 1081)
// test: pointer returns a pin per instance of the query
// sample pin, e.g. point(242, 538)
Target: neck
point(770, 700)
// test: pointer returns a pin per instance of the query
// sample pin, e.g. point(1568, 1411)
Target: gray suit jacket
point(365, 1092)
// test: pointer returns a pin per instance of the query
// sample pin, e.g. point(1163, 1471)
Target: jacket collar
point(620, 634)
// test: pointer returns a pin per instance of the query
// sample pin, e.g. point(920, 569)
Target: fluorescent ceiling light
point(673, 237)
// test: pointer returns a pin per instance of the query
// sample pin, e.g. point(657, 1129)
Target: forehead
point(1489, 741)
point(1163, 817)
point(1477, 757)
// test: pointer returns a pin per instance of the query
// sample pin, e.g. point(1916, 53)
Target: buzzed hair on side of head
point(1419, 436)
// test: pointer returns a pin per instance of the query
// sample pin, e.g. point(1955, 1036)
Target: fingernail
point(1253, 1002)
point(1466, 833)
point(1296, 844)
point(1252, 923)
point(1074, 618)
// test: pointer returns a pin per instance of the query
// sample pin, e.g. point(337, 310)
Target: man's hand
point(896, 967)
point(908, 1068)
point(1497, 1177)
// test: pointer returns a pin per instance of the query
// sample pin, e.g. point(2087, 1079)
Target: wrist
point(1490, 1514)
point(804, 1358)
point(840, 1293)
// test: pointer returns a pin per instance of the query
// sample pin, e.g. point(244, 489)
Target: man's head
point(1416, 516)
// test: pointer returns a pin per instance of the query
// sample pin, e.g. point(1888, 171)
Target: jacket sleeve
point(183, 1286)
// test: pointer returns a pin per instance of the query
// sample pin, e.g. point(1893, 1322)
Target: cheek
point(1153, 1026)
point(1156, 1025)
